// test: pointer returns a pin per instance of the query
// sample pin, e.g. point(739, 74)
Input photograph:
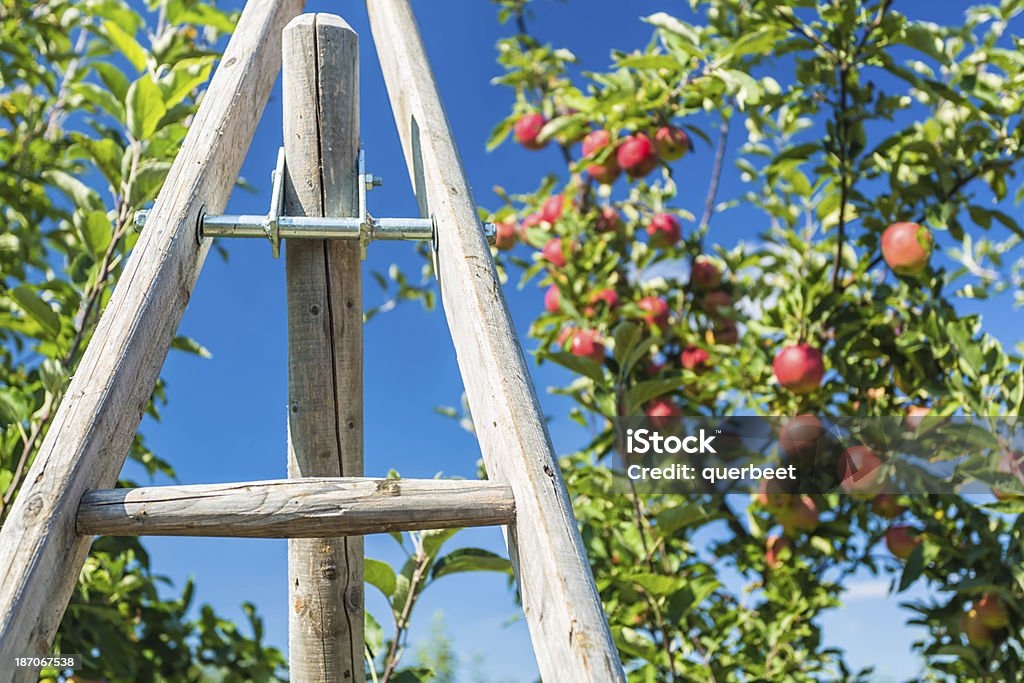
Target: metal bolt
point(491, 233)
point(140, 219)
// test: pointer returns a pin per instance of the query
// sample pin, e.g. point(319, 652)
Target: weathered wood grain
point(296, 508)
point(88, 440)
point(567, 624)
point(325, 339)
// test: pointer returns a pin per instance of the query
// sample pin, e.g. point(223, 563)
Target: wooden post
point(567, 624)
point(89, 437)
point(325, 339)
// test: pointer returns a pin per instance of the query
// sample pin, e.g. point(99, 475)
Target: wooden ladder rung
point(315, 507)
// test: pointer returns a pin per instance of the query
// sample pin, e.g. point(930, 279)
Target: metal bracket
point(275, 225)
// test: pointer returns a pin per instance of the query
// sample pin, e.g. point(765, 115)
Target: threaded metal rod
point(317, 228)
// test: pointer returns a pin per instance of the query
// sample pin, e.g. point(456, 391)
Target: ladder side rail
point(320, 86)
point(87, 442)
point(566, 620)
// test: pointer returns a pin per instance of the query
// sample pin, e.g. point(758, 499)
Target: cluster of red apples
point(799, 368)
point(859, 470)
point(636, 154)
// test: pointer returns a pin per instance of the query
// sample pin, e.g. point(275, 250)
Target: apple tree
point(876, 158)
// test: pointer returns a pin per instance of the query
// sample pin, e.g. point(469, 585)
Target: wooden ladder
point(326, 505)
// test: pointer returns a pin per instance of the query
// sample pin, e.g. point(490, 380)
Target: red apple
point(915, 416)
point(552, 299)
point(663, 413)
point(694, 357)
point(587, 343)
point(528, 128)
point(671, 143)
point(901, 540)
point(1003, 495)
point(664, 230)
point(799, 368)
point(885, 505)
point(799, 436)
point(978, 635)
point(777, 549)
point(608, 220)
point(907, 247)
point(553, 254)
point(802, 516)
point(773, 495)
point(992, 612)
point(717, 303)
point(859, 470)
point(506, 236)
point(636, 155)
point(609, 297)
point(551, 209)
point(655, 311)
point(726, 332)
point(705, 275)
point(606, 172)
point(653, 368)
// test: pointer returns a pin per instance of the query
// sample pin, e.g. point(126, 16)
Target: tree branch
point(716, 177)
point(844, 187)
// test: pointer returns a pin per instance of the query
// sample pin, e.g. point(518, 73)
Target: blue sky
point(226, 416)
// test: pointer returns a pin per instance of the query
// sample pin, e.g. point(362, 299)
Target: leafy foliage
point(95, 103)
point(424, 565)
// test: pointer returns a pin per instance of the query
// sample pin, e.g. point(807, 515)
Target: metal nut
point(490, 233)
point(140, 219)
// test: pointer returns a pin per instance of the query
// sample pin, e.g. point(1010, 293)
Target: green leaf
point(433, 539)
point(1018, 400)
point(657, 585)
point(669, 23)
point(37, 309)
point(912, 570)
point(96, 232)
point(128, 46)
point(578, 364)
point(145, 107)
point(101, 98)
point(105, 153)
point(183, 78)
point(113, 78)
point(189, 345)
point(13, 407)
point(470, 560)
point(381, 575)
point(374, 635)
point(80, 193)
point(671, 520)
point(758, 41)
point(923, 37)
point(200, 14)
point(648, 62)
point(626, 337)
point(643, 392)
